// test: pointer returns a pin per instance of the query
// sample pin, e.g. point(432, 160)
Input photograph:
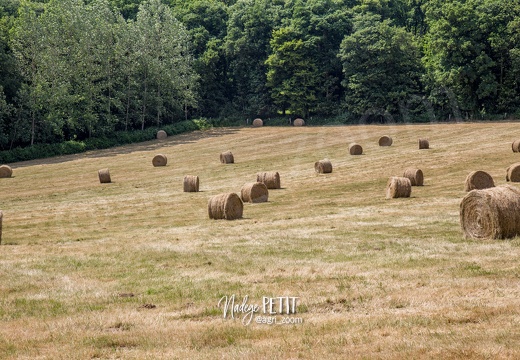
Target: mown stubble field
point(135, 269)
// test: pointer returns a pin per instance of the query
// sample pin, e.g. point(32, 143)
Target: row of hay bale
point(259, 122)
point(488, 211)
point(230, 206)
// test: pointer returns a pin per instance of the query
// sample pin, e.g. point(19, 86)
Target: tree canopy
point(75, 69)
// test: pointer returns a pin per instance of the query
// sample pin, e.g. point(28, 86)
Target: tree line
point(77, 69)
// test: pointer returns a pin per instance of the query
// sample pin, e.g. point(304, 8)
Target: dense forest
point(79, 69)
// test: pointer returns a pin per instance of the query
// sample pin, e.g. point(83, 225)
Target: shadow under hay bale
point(415, 175)
point(355, 149)
point(424, 144)
point(159, 160)
point(323, 166)
point(254, 192)
point(226, 206)
point(492, 213)
point(5, 171)
point(385, 141)
point(513, 173)
point(161, 135)
point(516, 146)
point(398, 187)
point(191, 183)
point(271, 179)
point(104, 176)
point(258, 122)
point(478, 180)
point(227, 158)
point(299, 122)
point(1, 220)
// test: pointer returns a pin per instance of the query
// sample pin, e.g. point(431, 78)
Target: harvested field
point(136, 269)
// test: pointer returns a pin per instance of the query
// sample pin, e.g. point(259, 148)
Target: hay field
point(135, 269)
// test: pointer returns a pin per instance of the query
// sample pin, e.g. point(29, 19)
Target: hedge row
point(39, 151)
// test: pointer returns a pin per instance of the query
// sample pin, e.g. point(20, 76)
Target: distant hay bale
point(1, 219)
point(258, 122)
point(298, 122)
point(104, 176)
point(355, 149)
point(161, 135)
point(492, 213)
point(516, 146)
point(227, 206)
point(385, 141)
point(227, 158)
point(323, 166)
point(398, 187)
point(270, 179)
point(415, 175)
point(5, 171)
point(513, 173)
point(191, 183)
point(478, 180)
point(159, 160)
point(254, 192)
point(424, 144)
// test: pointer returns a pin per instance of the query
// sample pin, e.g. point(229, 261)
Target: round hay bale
point(159, 160)
point(191, 183)
point(298, 122)
point(478, 180)
point(254, 192)
point(398, 187)
point(424, 144)
point(1, 219)
point(355, 149)
point(415, 175)
point(258, 122)
point(225, 206)
point(270, 179)
point(516, 146)
point(323, 166)
point(513, 173)
point(385, 141)
point(492, 213)
point(227, 158)
point(5, 171)
point(104, 176)
point(161, 135)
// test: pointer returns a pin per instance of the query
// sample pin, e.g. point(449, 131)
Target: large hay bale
point(424, 144)
point(227, 158)
point(191, 183)
point(1, 219)
point(385, 141)
point(271, 179)
point(5, 171)
point(398, 187)
point(258, 122)
point(478, 180)
point(516, 146)
point(415, 175)
point(104, 176)
point(254, 192)
point(298, 122)
point(159, 160)
point(161, 135)
point(492, 213)
point(513, 173)
point(355, 149)
point(225, 206)
point(323, 166)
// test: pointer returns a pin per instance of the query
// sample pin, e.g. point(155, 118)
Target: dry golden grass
point(82, 263)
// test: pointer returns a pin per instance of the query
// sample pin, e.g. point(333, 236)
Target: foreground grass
point(135, 269)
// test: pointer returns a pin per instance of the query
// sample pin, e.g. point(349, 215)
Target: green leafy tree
point(381, 63)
